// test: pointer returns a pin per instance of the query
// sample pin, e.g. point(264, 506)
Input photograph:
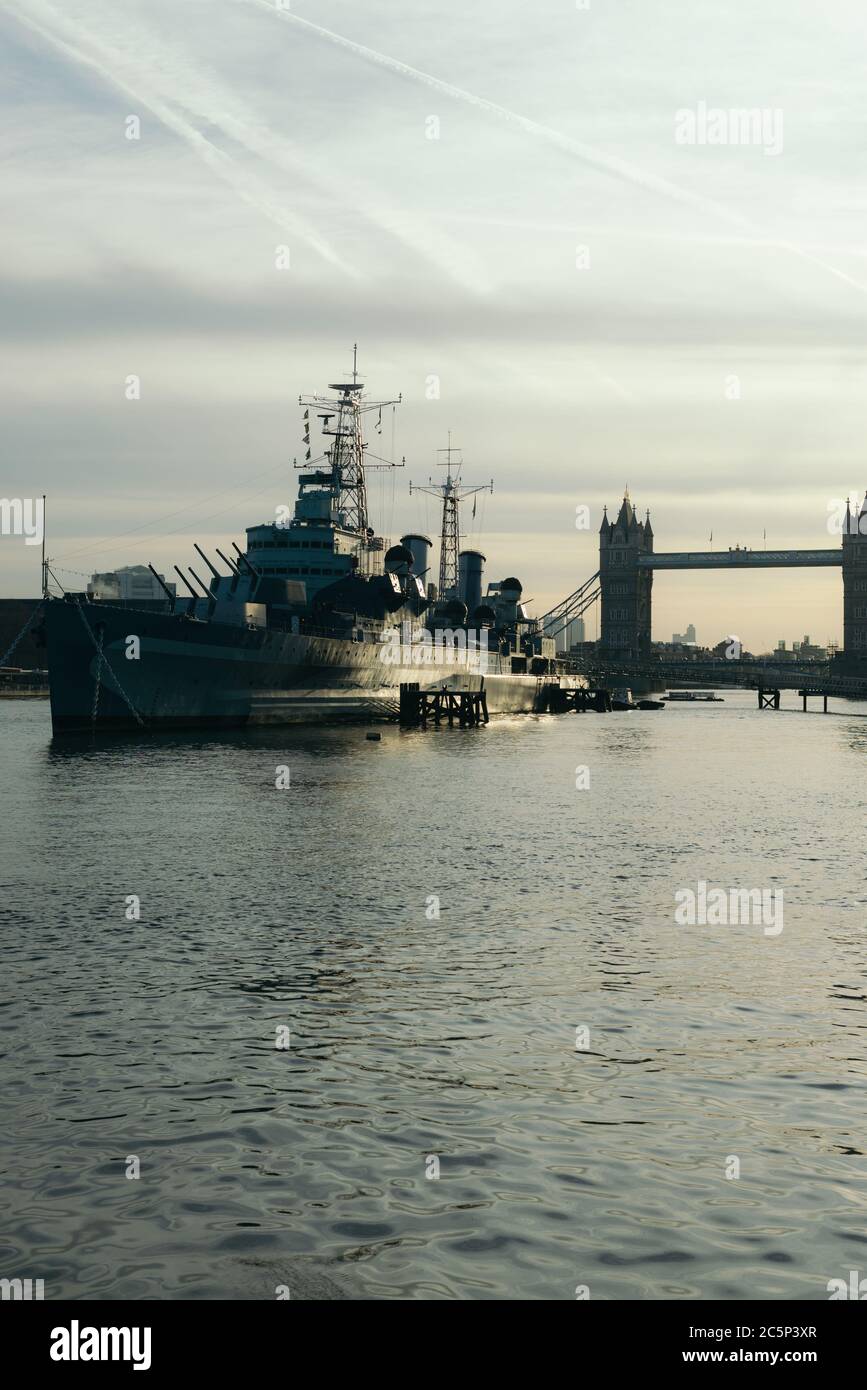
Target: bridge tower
point(855, 588)
point(625, 589)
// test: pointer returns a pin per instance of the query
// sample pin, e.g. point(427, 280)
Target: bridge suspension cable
point(562, 614)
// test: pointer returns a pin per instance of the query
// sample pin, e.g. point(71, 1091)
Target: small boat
point(694, 697)
point(651, 704)
point(622, 699)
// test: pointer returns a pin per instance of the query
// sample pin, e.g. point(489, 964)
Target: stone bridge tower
point(855, 589)
point(625, 589)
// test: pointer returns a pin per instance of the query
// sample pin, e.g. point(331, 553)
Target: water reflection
point(417, 1031)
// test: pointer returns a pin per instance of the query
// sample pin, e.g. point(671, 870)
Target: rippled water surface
point(414, 1037)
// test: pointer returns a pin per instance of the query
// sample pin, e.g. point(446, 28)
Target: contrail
point(609, 164)
point(765, 241)
point(171, 77)
point(221, 164)
point(210, 101)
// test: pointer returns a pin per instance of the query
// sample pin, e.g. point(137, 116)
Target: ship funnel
point(421, 548)
point(471, 564)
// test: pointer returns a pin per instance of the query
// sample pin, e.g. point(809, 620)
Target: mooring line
point(111, 672)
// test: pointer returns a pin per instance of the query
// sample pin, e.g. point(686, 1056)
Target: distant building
point(811, 651)
point(678, 651)
point(731, 649)
point(131, 584)
point(566, 637)
point(685, 639)
point(804, 650)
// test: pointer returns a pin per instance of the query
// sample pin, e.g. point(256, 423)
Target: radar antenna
point(452, 492)
point(347, 458)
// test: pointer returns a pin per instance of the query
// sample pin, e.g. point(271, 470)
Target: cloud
point(189, 99)
point(605, 163)
point(128, 299)
point(115, 69)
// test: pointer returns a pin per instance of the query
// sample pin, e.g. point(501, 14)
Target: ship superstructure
point(329, 536)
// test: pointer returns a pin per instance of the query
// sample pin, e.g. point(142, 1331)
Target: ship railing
point(313, 630)
point(305, 629)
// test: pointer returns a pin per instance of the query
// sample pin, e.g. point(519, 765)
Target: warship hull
point(199, 675)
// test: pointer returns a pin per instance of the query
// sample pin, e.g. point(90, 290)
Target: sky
point(528, 217)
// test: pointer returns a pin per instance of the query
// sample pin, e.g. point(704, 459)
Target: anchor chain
point(133, 711)
point(99, 660)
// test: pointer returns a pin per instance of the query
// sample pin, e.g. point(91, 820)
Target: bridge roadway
point(738, 559)
point(816, 677)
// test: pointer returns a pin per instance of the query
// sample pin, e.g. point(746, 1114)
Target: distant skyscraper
point(685, 638)
point(569, 635)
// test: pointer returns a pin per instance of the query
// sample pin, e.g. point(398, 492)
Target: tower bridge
point(624, 583)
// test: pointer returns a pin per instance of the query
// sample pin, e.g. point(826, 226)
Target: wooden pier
point(555, 699)
point(418, 707)
point(808, 692)
point(768, 699)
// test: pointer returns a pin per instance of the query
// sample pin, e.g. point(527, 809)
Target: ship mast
point(348, 457)
point(453, 493)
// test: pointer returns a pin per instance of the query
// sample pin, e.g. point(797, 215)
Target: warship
point(317, 618)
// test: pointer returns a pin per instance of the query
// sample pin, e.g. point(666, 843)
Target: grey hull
point(200, 675)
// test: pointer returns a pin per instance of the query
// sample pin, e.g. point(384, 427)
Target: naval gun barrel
point(191, 606)
point(242, 557)
point(165, 588)
point(214, 572)
point(226, 561)
point(209, 594)
point(236, 573)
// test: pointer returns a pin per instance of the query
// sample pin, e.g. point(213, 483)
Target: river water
point(440, 951)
